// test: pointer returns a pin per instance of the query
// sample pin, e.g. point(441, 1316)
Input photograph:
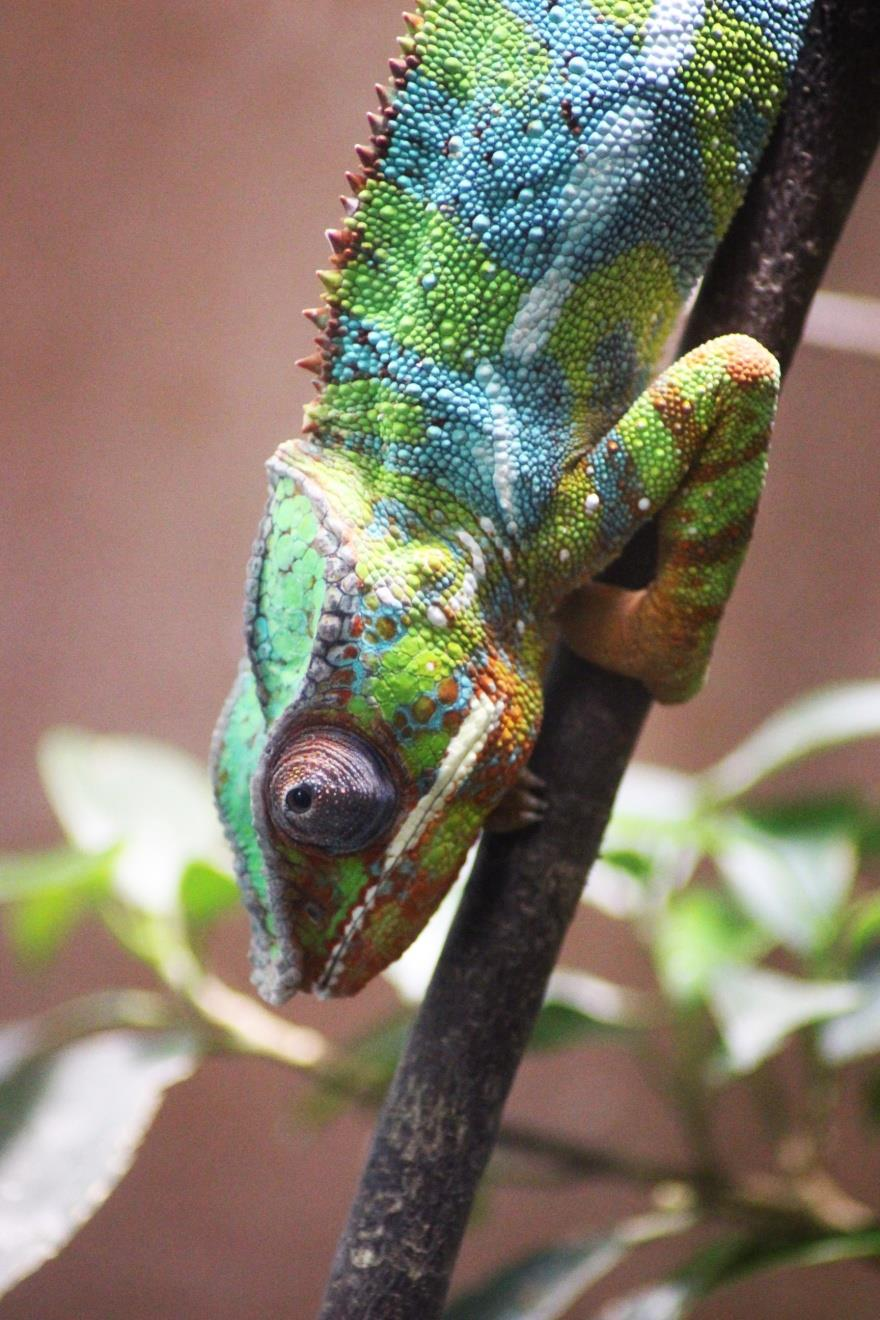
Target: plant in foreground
point(746, 904)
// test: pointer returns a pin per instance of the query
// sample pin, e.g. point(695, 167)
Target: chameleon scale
point(544, 185)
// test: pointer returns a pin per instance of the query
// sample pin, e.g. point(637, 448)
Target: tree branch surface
point(440, 1120)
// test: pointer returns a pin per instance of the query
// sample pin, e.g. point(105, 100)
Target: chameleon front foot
point(523, 804)
point(692, 452)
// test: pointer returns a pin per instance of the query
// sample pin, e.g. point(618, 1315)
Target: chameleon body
point(545, 184)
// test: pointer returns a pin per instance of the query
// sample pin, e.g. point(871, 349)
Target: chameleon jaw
point(458, 763)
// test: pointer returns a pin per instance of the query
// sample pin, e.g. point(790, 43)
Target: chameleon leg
point(695, 448)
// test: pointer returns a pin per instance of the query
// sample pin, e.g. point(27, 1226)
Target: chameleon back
point(542, 192)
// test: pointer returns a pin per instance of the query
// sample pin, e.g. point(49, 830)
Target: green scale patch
point(421, 278)
point(289, 598)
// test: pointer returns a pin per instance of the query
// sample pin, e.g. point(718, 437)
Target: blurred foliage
point(752, 909)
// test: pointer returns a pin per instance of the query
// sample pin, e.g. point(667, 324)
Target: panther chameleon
point(546, 182)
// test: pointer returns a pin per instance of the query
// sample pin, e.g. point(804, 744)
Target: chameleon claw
point(522, 805)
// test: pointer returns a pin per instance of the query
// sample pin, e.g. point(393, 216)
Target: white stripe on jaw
point(457, 763)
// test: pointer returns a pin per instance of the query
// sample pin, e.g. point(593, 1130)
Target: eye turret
point(331, 791)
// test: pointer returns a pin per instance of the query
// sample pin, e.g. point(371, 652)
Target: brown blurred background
point(169, 169)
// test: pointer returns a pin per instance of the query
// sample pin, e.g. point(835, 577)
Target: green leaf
point(70, 1124)
point(153, 800)
point(698, 932)
point(545, 1284)
point(206, 892)
point(542, 1286)
point(559, 1027)
point(822, 719)
point(28, 875)
point(792, 885)
point(757, 1010)
point(48, 895)
point(651, 845)
point(579, 1007)
point(635, 864)
point(726, 1261)
point(39, 926)
point(840, 815)
point(863, 935)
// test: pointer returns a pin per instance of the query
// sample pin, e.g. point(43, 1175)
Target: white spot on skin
point(592, 502)
point(644, 504)
point(477, 557)
point(465, 595)
point(503, 475)
point(436, 617)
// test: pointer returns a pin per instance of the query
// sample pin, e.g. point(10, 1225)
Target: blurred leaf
point(206, 892)
point(698, 932)
point(151, 798)
point(658, 1301)
point(857, 1033)
point(579, 1006)
point(651, 844)
point(558, 1027)
point(635, 864)
point(757, 1010)
point(792, 885)
point(863, 935)
point(605, 1003)
point(822, 719)
point(411, 974)
point(725, 1262)
point(48, 894)
point(37, 927)
point(542, 1286)
point(70, 1124)
point(674, 1298)
point(27, 875)
point(841, 815)
point(654, 794)
point(545, 1284)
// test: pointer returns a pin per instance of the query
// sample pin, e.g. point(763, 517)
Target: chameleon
point(545, 183)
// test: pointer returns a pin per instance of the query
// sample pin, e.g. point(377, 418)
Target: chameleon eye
point(331, 791)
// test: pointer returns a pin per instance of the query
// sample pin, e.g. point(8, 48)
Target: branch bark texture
point(441, 1117)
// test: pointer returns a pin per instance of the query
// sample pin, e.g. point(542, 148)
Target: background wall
point(170, 167)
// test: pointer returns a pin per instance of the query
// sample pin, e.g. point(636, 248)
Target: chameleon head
point(375, 722)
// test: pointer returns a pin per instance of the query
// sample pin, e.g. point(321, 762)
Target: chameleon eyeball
point(332, 792)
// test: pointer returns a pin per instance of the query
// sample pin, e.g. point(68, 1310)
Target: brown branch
point(441, 1118)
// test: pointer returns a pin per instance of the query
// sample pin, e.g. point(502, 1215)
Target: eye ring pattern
point(332, 792)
